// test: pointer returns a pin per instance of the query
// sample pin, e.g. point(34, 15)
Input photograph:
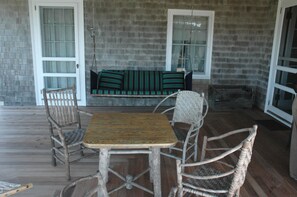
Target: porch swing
point(134, 83)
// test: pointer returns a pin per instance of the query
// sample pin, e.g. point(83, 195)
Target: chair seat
point(81, 189)
point(72, 137)
point(86, 186)
point(222, 183)
point(181, 131)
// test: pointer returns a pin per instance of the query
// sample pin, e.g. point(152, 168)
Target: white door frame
point(269, 108)
point(79, 41)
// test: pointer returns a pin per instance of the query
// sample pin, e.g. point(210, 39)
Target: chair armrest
point(206, 107)
point(84, 112)
point(173, 192)
point(230, 133)
point(16, 189)
point(162, 101)
point(214, 159)
point(54, 123)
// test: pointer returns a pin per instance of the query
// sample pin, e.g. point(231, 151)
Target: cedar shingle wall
point(16, 67)
point(132, 35)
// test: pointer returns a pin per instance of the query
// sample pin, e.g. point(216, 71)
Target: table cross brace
point(130, 181)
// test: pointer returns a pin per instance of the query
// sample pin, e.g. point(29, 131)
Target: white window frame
point(181, 12)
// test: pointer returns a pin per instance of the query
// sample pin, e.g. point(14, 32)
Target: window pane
point(288, 45)
point(282, 61)
point(189, 43)
point(58, 82)
point(199, 29)
point(178, 29)
point(59, 67)
point(283, 100)
point(286, 79)
point(57, 32)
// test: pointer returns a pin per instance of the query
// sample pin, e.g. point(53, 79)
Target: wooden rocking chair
point(65, 129)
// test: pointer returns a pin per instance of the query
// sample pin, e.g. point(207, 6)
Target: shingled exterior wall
point(132, 35)
point(16, 67)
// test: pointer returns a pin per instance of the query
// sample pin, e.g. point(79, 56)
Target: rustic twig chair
point(86, 187)
point(222, 175)
point(188, 116)
point(64, 125)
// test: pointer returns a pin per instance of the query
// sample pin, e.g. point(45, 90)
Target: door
point(283, 70)
point(58, 46)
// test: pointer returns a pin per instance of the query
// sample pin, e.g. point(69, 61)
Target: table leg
point(156, 170)
point(103, 165)
point(151, 167)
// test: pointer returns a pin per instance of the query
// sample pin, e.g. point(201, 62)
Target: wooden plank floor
point(25, 155)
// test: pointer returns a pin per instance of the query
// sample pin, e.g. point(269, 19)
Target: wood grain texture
point(25, 155)
point(129, 130)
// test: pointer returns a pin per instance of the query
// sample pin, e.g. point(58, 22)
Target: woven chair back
point(188, 107)
point(243, 162)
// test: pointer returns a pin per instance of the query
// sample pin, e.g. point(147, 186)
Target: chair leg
point(67, 164)
point(195, 152)
point(81, 151)
point(54, 161)
point(196, 148)
point(67, 170)
point(150, 166)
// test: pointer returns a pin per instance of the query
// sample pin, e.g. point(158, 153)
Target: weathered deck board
point(25, 154)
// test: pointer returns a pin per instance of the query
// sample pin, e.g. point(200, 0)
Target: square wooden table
point(130, 131)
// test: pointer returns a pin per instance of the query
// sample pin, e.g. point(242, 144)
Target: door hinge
point(77, 65)
point(35, 7)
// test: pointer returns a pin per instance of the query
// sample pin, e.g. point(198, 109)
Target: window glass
point(57, 32)
point(191, 40)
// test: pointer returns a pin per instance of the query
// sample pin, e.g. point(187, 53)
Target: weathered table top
point(129, 130)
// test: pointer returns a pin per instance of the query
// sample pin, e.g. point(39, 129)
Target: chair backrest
point(189, 149)
point(61, 106)
point(243, 161)
point(217, 170)
point(190, 107)
point(86, 186)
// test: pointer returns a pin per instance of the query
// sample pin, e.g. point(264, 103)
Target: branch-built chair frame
point(9, 189)
point(87, 187)
point(188, 115)
point(65, 129)
point(221, 175)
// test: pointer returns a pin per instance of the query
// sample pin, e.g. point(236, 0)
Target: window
point(189, 41)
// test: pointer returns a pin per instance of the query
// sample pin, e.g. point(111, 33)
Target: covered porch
point(25, 153)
